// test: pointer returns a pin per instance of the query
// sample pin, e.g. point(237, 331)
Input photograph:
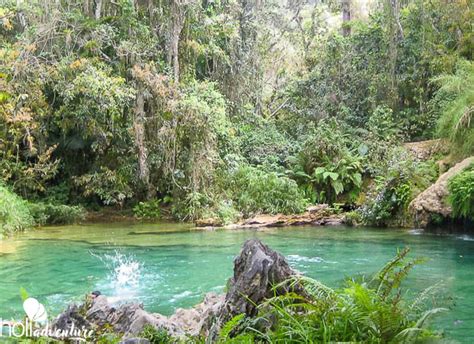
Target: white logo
point(35, 310)
point(36, 316)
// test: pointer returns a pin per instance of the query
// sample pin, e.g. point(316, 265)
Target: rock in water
point(434, 199)
point(257, 270)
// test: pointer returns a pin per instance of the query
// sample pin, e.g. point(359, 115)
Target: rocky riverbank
point(318, 215)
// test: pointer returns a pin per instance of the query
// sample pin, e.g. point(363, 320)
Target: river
point(169, 265)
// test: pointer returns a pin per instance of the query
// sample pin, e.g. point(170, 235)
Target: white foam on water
point(298, 258)
point(360, 261)
point(465, 237)
point(182, 295)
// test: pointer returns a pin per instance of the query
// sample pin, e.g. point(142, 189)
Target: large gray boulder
point(433, 201)
point(257, 270)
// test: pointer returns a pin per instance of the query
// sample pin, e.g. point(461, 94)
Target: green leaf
point(363, 149)
point(319, 170)
point(23, 294)
point(338, 187)
point(357, 179)
point(333, 175)
point(301, 174)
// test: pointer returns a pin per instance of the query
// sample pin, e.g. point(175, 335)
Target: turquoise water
point(166, 266)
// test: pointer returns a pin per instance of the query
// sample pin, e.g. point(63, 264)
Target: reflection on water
point(166, 266)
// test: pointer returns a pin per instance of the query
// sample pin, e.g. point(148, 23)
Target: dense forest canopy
point(227, 108)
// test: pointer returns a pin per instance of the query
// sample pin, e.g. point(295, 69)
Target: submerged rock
point(433, 201)
point(259, 273)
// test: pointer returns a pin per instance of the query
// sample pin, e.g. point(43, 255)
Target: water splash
point(123, 277)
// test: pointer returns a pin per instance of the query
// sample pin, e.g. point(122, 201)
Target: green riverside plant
point(461, 194)
point(55, 214)
point(14, 213)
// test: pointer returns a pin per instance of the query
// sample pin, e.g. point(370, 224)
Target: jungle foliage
point(228, 108)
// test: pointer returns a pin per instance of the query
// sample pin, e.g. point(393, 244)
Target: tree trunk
point(21, 15)
point(177, 24)
point(396, 36)
point(395, 5)
point(346, 17)
point(88, 6)
point(139, 129)
point(98, 8)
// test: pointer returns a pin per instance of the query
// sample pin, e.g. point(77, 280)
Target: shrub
point(54, 214)
point(372, 310)
point(242, 190)
point(193, 206)
point(336, 178)
point(256, 191)
point(226, 212)
point(111, 186)
point(109, 338)
point(148, 209)
point(461, 194)
point(382, 125)
point(399, 179)
point(261, 143)
point(327, 167)
point(14, 213)
point(352, 218)
point(156, 336)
